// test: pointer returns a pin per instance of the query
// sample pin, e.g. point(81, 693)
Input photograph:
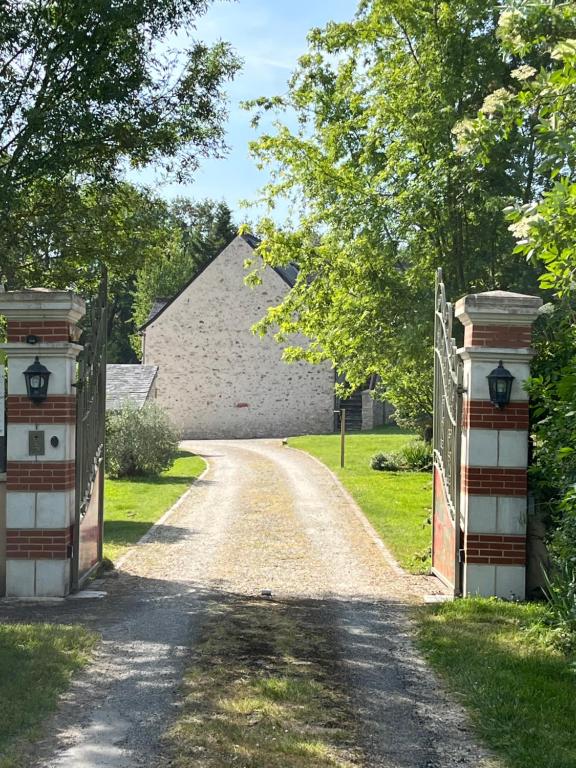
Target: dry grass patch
point(262, 692)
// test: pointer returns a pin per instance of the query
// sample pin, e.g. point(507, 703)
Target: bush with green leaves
point(413, 457)
point(385, 462)
point(139, 441)
point(416, 456)
point(561, 595)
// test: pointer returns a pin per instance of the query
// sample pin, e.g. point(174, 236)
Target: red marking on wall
point(51, 331)
point(498, 336)
point(484, 415)
point(241, 405)
point(38, 543)
point(40, 475)
point(443, 534)
point(56, 409)
point(495, 481)
point(495, 549)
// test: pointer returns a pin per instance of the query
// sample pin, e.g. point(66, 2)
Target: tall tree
point(539, 37)
point(381, 195)
point(88, 88)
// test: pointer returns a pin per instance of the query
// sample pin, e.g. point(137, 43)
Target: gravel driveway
point(264, 516)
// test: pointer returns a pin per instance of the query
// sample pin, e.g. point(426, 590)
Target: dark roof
point(157, 307)
point(128, 383)
point(288, 273)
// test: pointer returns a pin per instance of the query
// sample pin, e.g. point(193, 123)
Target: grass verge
point(500, 659)
point(262, 692)
point(36, 664)
point(398, 504)
point(133, 504)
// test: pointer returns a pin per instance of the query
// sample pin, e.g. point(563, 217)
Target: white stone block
point(478, 370)
point(511, 582)
point(53, 509)
point(62, 371)
point(482, 448)
point(479, 580)
point(482, 514)
point(20, 509)
point(511, 515)
point(52, 578)
point(513, 448)
point(20, 578)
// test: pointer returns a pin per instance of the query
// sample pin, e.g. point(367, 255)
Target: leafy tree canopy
point(87, 89)
point(539, 37)
point(381, 194)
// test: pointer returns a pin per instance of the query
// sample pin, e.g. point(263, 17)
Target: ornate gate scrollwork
point(447, 421)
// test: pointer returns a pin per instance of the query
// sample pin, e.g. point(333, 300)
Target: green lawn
point(398, 504)
point(521, 692)
point(36, 663)
point(132, 505)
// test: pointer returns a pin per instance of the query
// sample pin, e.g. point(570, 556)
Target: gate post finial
point(493, 501)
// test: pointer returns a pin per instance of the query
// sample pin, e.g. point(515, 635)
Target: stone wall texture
point(216, 379)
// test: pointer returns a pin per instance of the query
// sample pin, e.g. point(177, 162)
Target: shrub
point(385, 462)
point(561, 595)
point(416, 456)
point(139, 441)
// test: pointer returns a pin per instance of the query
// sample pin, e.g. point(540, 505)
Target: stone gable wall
point(216, 378)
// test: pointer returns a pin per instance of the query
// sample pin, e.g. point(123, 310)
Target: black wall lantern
point(37, 376)
point(500, 385)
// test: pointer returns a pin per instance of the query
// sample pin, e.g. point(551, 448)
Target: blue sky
point(269, 35)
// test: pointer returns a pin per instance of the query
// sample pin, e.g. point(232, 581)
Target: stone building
point(216, 378)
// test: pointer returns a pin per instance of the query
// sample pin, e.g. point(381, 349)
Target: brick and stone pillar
point(498, 326)
point(40, 467)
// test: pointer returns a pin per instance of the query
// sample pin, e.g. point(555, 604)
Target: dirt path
point(263, 517)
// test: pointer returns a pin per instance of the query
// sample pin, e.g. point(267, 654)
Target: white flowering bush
point(139, 441)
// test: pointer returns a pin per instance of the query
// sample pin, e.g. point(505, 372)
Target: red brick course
point(498, 336)
point(494, 549)
point(495, 481)
point(56, 409)
point(484, 415)
point(38, 543)
point(40, 475)
point(51, 331)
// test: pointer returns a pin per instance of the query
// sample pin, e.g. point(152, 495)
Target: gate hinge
point(461, 390)
point(461, 555)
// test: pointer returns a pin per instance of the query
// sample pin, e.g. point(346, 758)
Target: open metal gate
point(446, 530)
point(90, 432)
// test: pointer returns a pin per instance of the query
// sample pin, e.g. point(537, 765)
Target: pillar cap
point(42, 304)
point(498, 308)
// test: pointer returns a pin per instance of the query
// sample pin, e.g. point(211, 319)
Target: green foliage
point(561, 595)
point(139, 441)
point(385, 462)
point(415, 456)
point(540, 104)
point(89, 89)
point(383, 197)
